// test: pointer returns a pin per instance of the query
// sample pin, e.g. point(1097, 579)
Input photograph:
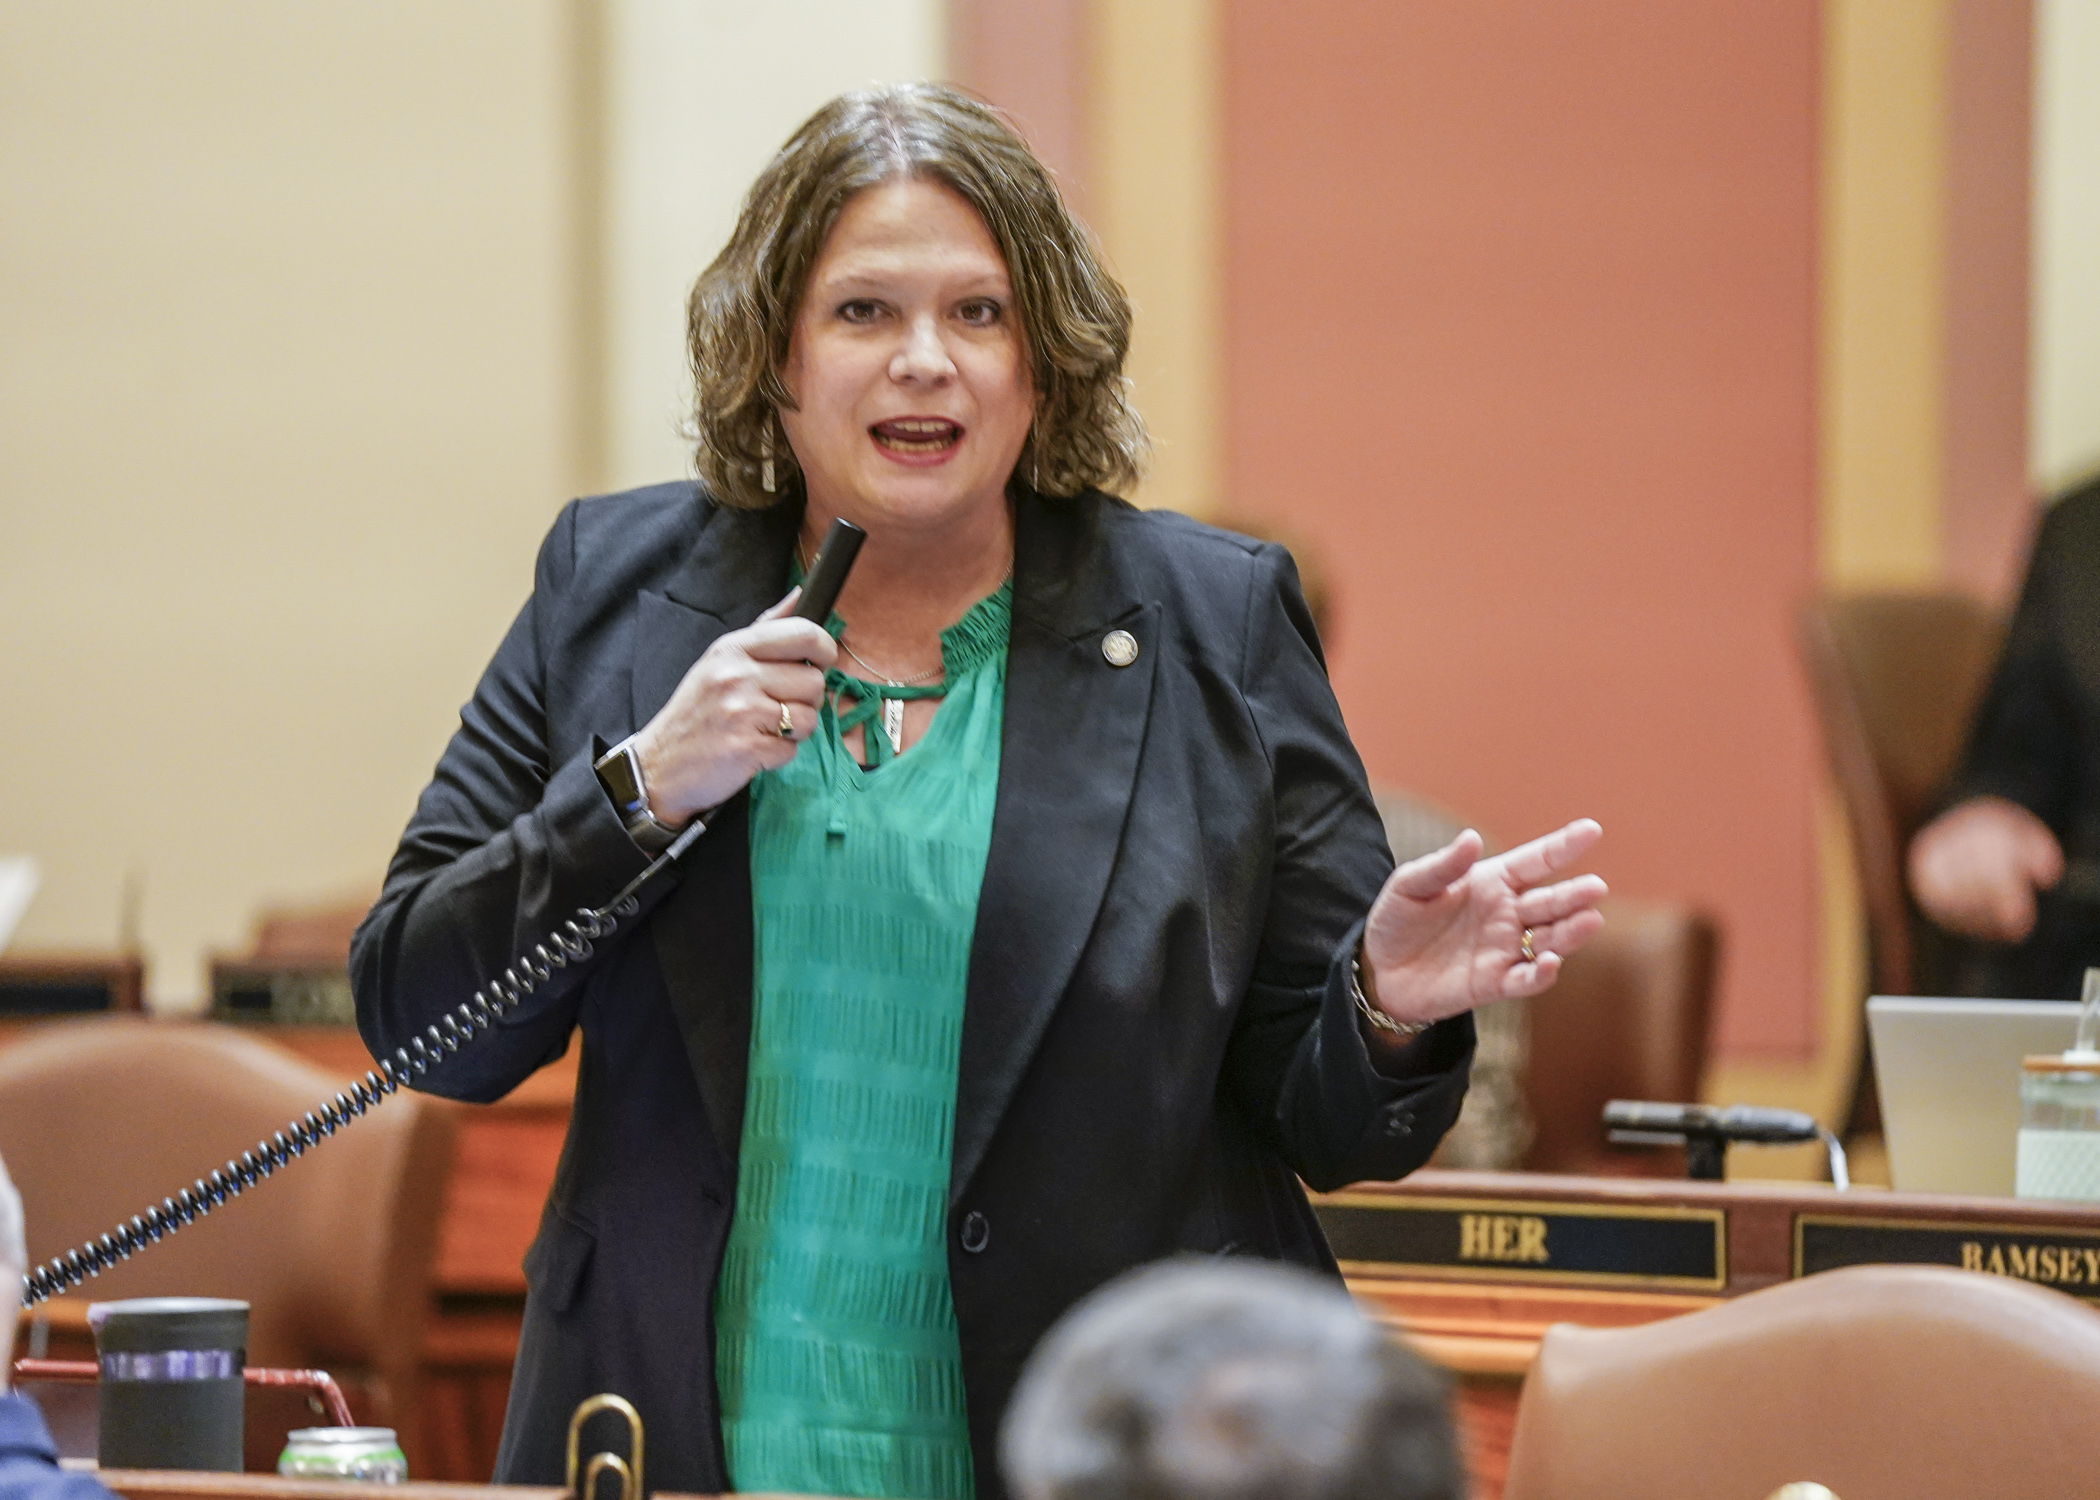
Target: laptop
point(1949, 1076)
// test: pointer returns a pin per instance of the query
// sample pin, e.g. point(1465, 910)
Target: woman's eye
point(860, 310)
point(981, 313)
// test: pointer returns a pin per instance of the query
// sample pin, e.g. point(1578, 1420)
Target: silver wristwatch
point(620, 773)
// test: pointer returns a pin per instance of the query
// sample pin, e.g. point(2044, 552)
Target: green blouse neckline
point(967, 646)
point(970, 642)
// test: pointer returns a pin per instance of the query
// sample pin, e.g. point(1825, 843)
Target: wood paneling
point(69, 982)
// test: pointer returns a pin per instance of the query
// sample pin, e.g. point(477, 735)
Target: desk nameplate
point(1664, 1248)
point(2066, 1259)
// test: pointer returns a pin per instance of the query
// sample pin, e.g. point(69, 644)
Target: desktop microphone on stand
point(1706, 1131)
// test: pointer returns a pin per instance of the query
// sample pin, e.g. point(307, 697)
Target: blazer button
point(976, 1232)
point(1119, 648)
point(1399, 1122)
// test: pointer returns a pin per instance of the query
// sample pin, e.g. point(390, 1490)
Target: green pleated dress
point(836, 1354)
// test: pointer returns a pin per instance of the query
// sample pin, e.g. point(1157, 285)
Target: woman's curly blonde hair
point(1074, 318)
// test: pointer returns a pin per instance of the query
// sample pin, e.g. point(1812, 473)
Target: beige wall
point(2066, 307)
point(1882, 336)
point(699, 94)
point(1157, 199)
point(285, 403)
point(316, 314)
point(1123, 99)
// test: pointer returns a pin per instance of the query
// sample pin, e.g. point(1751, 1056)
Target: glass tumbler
point(2059, 1147)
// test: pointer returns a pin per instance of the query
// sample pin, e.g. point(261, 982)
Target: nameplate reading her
point(2067, 1259)
point(1483, 1239)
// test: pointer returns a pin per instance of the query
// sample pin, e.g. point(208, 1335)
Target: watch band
point(620, 773)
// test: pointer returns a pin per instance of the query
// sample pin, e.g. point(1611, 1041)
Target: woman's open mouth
point(917, 437)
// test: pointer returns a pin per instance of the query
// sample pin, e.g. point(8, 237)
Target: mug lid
point(155, 1324)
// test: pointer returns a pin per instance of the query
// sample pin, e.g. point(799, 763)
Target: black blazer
point(1158, 1039)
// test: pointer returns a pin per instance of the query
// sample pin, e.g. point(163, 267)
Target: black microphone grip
point(827, 573)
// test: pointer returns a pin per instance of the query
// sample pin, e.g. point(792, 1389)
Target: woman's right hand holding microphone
point(744, 707)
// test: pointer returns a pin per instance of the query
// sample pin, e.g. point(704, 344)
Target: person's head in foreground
point(1227, 1380)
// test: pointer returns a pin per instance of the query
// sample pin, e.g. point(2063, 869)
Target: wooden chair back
point(333, 1252)
point(1629, 1019)
point(1896, 678)
point(1881, 1382)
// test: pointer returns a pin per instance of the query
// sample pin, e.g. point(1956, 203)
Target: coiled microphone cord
point(572, 943)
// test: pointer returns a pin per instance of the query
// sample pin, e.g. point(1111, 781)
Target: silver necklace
point(883, 676)
point(892, 708)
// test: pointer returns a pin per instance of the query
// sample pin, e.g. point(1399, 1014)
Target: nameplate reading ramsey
point(1672, 1249)
point(2067, 1259)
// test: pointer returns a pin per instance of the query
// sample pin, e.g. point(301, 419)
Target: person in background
point(28, 1458)
point(2012, 861)
point(1227, 1380)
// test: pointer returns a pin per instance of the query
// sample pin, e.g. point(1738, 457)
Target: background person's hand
point(1446, 932)
point(721, 726)
point(1975, 868)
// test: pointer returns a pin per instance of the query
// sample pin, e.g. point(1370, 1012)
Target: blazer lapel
point(1069, 748)
point(702, 930)
point(736, 570)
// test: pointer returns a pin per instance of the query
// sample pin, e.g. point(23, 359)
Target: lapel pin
point(1119, 648)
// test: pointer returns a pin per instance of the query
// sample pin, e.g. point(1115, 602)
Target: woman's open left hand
point(1447, 931)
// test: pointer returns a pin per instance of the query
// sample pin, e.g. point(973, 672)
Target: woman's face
point(907, 364)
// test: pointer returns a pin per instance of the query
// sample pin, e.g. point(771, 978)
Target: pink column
point(1520, 307)
point(1029, 57)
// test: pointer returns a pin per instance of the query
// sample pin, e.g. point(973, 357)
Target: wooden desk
point(1480, 1264)
point(36, 985)
point(182, 1484)
point(176, 1484)
point(1480, 1317)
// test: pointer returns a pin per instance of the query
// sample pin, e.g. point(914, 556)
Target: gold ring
point(787, 723)
point(1524, 947)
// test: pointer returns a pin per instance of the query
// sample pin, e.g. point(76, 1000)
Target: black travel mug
point(171, 1382)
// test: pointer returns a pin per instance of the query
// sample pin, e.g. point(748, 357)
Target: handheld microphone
point(828, 570)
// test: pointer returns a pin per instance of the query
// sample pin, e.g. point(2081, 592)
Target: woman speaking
point(1042, 923)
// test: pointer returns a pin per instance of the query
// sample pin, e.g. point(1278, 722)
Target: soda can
point(370, 1453)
